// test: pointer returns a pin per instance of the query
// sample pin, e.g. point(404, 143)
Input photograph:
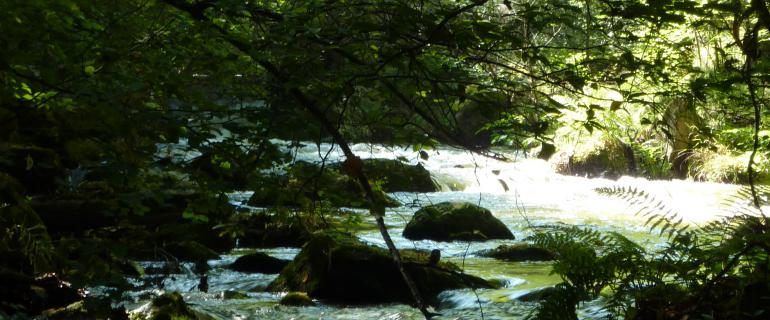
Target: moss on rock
point(518, 252)
point(233, 295)
point(605, 158)
point(297, 299)
point(397, 176)
point(307, 182)
point(340, 269)
point(170, 306)
point(258, 263)
point(270, 229)
point(448, 221)
point(191, 251)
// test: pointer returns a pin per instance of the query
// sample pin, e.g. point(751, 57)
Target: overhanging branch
point(376, 207)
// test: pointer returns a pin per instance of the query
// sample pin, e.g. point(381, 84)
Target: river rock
point(90, 308)
point(448, 221)
point(518, 252)
point(309, 182)
point(264, 230)
point(297, 299)
point(233, 295)
point(171, 305)
point(339, 268)
point(191, 251)
point(397, 176)
point(22, 294)
point(538, 294)
point(234, 173)
point(259, 263)
point(604, 158)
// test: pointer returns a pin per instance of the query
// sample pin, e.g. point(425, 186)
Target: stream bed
point(523, 193)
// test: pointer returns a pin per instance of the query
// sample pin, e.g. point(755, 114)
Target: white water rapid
point(523, 192)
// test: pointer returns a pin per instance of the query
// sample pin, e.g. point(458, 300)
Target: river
point(523, 193)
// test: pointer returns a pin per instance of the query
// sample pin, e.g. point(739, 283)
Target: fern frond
point(21, 230)
point(659, 215)
point(742, 201)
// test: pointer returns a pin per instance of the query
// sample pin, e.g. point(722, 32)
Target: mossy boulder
point(90, 308)
point(448, 221)
point(258, 263)
point(233, 295)
point(539, 294)
point(22, 294)
point(226, 165)
point(339, 268)
point(397, 176)
point(268, 230)
point(518, 252)
point(171, 306)
point(306, 182)
point(297, 299)
point(598, 158)
point(181, 222)
point(191, 251)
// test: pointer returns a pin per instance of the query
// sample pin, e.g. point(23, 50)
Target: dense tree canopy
point(93, 92)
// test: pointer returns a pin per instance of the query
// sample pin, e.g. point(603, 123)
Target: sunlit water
point(522, 193)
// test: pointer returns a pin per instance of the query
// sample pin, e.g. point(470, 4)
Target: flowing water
point(522, 193)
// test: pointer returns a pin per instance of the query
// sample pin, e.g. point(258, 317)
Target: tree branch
point(376, 207)
point(760, 6)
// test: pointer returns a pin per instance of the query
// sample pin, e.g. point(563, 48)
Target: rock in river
point(259, 263)
point(448, 221)
point(518, 252)
point(397, 176)
point(339, 268)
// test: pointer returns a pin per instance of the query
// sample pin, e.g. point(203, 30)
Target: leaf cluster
point(690, 274)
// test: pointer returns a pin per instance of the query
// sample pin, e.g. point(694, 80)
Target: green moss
point(170, 306)
point(306, 182)
point(448, 221)
point(397, 176)
point(600, 158)
point(297, 299)
point(233, 295)
point(191, 251)
point(339, 268)
point(518, 252)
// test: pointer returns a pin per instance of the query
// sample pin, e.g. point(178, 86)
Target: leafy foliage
point(24, 241)
point(690, 276)
point(101, 101)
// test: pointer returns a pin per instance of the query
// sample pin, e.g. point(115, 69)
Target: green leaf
point(188, 214)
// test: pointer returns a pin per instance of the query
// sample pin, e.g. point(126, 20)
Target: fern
point(659, 215)
point(23, 232)
point(682, 278)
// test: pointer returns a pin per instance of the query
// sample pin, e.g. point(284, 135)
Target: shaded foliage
point(102, 105)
